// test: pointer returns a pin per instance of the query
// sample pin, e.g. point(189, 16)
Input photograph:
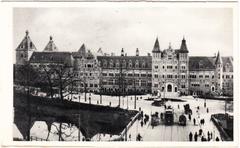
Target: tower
point(218, 73)
point(24, 50)
point(183, 68)
point(156, 64)
point(156, 50)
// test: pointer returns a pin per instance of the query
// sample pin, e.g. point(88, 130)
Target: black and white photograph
point(123, 73)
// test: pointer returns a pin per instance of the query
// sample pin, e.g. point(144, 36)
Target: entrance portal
point(169, 88)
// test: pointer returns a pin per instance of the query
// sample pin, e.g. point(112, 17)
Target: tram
point(169, 116)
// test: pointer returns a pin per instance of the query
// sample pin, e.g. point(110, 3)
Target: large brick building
point(169, 71)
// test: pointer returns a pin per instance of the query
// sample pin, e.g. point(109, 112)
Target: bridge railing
point(33, 138)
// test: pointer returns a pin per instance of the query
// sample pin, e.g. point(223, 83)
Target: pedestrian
point(178, 106)
point(194, 121)
point(203, 121)
point(139, 137)
point(110, 103)
point(190, 136)
point(129, 137)
point(200, 131)
point(217, 139)
point(195, 137)
point(189, 116)
point(208, 133)
point(142, 123)
point(207, 110)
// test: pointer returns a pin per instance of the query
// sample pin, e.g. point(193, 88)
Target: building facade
point(125, 74)
point(168, 72)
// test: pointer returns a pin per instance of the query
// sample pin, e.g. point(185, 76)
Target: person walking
point(195, 136)
point(142, 123)
point(190, 136)
point(189, 117)
point(194, 121)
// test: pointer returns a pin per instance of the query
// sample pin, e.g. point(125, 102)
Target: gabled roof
point(227, 64)
point(26, 43)
point(156, 48)
point(201, 63)
point(52, 58)
point(50, 47)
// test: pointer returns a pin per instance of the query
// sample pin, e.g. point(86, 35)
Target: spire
point(122, 52)
point(82, 50)
point(218, 59)
point(100, 52)
point(50, 47)
point(26, 43)
point(156, 48)
point(137, 52)
point(183, 48)
point(169, 46)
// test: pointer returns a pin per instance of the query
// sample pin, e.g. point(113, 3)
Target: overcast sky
point(206, 30)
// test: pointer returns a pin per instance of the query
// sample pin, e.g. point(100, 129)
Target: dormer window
point(137, 64)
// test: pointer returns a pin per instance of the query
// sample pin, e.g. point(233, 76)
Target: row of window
point(170, 76)
point(124, 64)
point(124, 74)
point(170, 67)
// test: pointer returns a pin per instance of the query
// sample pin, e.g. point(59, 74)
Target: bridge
point(90, 119)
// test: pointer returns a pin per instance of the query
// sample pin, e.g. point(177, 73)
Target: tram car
point(182, 120)
point(168, 116)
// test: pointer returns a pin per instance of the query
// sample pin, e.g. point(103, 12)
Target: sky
point(206, 30)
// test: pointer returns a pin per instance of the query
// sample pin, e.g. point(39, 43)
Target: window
point(156, 67)
point(136, 75)
point(175, 67)
point(149, 75)
point(169, 67)
point(155, 76)
point(163, 67)
point(143, 75)
point(212, 76)
point(183, 86)
point(206, 76)
point(104, 74)
point(155, 85)
point(111, 74)
point(169, 76)
point(130, 75)
point(200, 76)
point(183, 76)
